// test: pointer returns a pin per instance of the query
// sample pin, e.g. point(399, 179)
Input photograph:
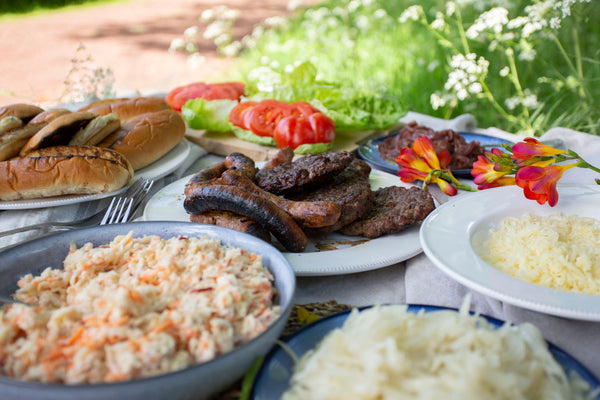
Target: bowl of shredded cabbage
point(145, 310)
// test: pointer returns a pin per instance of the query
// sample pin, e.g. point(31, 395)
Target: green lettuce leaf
point(251, 137)
point(313, 148)
point(212, 115)
point(349, 107)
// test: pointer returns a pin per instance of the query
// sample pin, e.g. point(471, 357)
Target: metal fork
point(121, 208)
point(141, 186)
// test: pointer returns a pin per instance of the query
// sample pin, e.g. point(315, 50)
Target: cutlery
point(132, 198)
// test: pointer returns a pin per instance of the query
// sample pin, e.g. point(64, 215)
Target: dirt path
point(131, 39)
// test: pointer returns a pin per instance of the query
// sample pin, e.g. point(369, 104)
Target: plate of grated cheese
point(538, 257)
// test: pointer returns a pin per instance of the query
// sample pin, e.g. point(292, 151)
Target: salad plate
point(452, 234)
point(334, 254)
point(369, 151)
point(164, 166)
point(274, 375)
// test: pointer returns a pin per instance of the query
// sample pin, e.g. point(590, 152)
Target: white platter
point(167, 164)
point(448, 236)
point(344, 254)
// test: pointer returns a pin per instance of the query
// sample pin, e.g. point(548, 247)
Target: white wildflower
point(433, 65)
point(439, 22)
point(380, 13)
point(177, 44)
point(288, 69)
point(517, 22)
point(462, 94)
point(412, 12)
point(437, 101)
point(231, 14)
point(222, 40)
point(504, 71)
point(450, 8)
point(207, 15)
point(475, 88)
point(555, 23)
point(512, 102)
point(191, 33)
point(293, 5)
point(191, 47)
point(362, 22)
point(332, 22)
point(367, 3)
point(274, 64)
point(264, 60)
point(215, 29)
point(530, 101)
point(492, 20)
point(527, 52)
point(353, 6)
point(232, 49)
point(275, 22)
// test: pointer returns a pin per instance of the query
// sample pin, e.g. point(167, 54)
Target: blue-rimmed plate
point(369, 151)
point(275, 373)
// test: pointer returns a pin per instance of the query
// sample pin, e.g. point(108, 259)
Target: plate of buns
point(57, 156)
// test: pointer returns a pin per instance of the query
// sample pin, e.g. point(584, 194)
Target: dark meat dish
point(463, 154)
point(395, 208)
point(230, 220)
point(309, 171)
point(350, 189)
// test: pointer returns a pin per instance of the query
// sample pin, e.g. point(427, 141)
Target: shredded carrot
point(163, 326)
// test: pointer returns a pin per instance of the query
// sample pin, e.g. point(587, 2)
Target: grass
point(10, 9)
point(366, 47)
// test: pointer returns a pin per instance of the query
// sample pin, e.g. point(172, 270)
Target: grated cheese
point(556, 251)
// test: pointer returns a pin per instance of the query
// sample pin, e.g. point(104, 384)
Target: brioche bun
point(128, 108)
point(147, 137)
point(76, 170)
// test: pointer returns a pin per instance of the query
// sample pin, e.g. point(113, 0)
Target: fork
point(121, 208)
point(141, 187)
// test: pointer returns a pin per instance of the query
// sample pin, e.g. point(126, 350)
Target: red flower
point(533, 148)
point(539, 183)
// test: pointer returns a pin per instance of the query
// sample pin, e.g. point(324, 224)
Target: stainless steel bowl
point(196, 382)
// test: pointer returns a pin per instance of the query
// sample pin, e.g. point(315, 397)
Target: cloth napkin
point(426, 284)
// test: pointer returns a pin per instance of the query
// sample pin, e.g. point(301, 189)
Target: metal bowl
point(195, 382)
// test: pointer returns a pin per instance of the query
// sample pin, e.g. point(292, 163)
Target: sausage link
point(266, 213)
point(308, 214)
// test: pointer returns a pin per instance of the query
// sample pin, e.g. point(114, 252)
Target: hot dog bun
point(13, 139)
point(58, 132)
point(24, 112)
point(76, 170)
point(147, 137)
point(128, 108)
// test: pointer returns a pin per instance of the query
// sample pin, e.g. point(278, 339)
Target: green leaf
point(251, 137)
point(249, 377)
point(313, 148)
point(212, 115)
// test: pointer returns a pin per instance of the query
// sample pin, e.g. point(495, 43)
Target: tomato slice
point(323, 126)
point(237, 115)
point(225, 90)
point(303, 108)
point(293, 131)
point(266, 115)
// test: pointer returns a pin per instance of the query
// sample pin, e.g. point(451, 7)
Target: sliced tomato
point(293, 131)
point(225, 90)
point(264, 117)
point(323, 126)
point(237, 115)
point(303, 108)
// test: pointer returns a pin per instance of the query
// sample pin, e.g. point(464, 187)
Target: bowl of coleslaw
point(145, 310)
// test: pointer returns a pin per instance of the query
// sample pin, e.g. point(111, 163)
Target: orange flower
point(488, 173)
point(539, 183)
point(531, 147)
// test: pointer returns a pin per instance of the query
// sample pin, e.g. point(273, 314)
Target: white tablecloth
point(415, 281)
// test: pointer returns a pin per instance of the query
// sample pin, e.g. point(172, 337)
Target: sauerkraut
point(386, 352)
point(135, 308)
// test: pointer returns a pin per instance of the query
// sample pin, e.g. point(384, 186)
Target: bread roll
point(12, 140)
point(128, 108)
point(81, 171)
point(147, 137)
point(58, 132)
point(98, 128)
point(23, 111)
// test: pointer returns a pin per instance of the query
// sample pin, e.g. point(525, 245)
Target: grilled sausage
point(230, 220)
point(230, 198)
point(308, 214)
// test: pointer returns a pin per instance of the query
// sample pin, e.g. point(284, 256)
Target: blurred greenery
point(29, 6)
